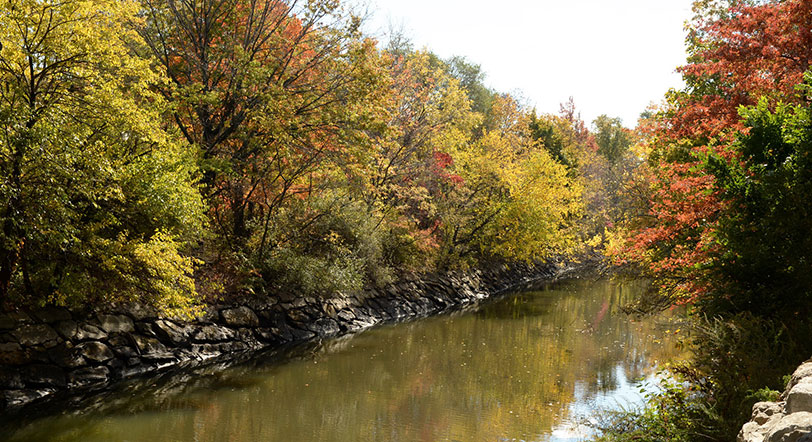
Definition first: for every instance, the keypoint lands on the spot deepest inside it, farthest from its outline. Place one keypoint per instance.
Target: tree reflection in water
(516, 368)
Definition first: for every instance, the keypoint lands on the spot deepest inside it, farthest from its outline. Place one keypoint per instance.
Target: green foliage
(767, 250)
(97, 200)
(328, 243)
(737, 362)
(612, 138)
(547, 130)
(675, 413)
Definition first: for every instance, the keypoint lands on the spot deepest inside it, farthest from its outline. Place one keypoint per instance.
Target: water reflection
(520, 368)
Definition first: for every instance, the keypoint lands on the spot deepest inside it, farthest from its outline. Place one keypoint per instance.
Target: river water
(528, 367)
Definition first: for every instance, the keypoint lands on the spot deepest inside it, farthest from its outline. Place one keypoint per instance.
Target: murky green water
(520, 368)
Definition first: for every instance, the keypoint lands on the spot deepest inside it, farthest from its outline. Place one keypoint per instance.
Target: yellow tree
(517, 202)
(96, 199)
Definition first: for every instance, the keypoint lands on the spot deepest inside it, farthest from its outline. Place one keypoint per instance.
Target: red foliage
(442, 161)
(753, 51)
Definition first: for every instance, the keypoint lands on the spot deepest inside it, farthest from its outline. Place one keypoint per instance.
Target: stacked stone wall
(56, 350)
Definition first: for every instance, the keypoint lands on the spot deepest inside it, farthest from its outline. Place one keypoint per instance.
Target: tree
(516, 202)
(737, 56)
(97, 201)
(765, 262)
(612, 138)
(269, 91)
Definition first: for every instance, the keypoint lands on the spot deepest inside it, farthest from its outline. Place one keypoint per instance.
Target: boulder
(40, 334)
(67, 329)
(116, 323)
(10, 378)
(147, 345)
(88, 376)
(799, 397)
(67, 356)
(240, 316)
(213, 333)
(12, 398)
(45, 375)
(170, 332)
(11, 320)
(87, 332)
(790, 428)
(763, 411)
(803, 371)
(142, 312)
(12, 354)
(298, 316)
(95, 351)
(324, 327)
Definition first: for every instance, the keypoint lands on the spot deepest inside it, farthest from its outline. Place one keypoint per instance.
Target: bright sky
(614, 57)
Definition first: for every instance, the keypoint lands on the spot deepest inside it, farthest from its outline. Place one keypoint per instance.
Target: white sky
(613, 56)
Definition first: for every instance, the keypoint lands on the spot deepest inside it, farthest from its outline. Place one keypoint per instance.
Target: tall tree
(268, 90)
(96, 199)
(738, 55)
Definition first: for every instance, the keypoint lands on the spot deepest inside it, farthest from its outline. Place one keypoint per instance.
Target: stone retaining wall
(789, 420)
(56, 350)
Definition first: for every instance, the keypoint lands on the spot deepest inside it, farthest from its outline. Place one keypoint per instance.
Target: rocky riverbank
(789, 420)
(56, 350)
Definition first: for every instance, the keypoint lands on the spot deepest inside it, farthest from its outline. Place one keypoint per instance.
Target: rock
(10, 378)
(324, 327)
(67, 329)
(763, 411)
(142, 312)
(803, 371)
(125, 352)
(800, 396)
(11, 320)
(14, 398)
(298, 316)
(52, 314)
(45, 375)
(86, 332)
(88, 376)
(95, 351)
(213, 333)
(240, 316)
(209, 315)
(12, 354)
(67, 356)
(147, 345)
(170, 332)
(301, 335)
(116, 323)
(790, 428)
(36, 335)
(346, 315)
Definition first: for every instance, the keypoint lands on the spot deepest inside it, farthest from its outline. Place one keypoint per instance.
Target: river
(527, 367)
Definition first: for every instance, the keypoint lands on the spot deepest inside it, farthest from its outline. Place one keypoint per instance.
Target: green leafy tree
(612, 138)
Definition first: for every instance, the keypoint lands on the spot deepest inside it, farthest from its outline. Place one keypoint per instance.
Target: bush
(325, 244)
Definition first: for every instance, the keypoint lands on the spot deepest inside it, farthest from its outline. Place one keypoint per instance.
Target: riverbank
(788, 420)
(56, 351)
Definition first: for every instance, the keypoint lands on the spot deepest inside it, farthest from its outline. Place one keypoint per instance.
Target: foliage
(272, 92)
(767, 251)
(316, 161)
(326, 244)
(751, 51)
(97, 200)
(711, 396)
(517, 202)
